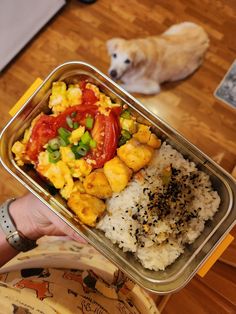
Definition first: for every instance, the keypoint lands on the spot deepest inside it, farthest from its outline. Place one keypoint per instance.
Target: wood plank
(80, 32)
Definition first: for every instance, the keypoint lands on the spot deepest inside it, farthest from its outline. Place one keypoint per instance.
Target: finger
(67, 230)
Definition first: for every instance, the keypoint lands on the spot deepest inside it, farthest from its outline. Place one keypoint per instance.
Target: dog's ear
(112, 44)
(139, 56)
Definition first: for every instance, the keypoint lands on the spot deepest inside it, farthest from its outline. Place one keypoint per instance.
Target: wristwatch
(14, 237)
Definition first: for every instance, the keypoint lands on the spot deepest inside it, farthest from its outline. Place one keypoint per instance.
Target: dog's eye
(114, 55)
(127, 61)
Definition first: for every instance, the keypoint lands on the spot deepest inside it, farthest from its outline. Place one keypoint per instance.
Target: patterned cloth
(62, 276)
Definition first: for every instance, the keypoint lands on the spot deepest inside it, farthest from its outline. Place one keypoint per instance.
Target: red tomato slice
(82, 112)
(88, 97)
(46, 127)
(43, 130)
(116, 110)
(106, 134)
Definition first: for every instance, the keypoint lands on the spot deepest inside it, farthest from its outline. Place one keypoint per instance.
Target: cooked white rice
(155, 220)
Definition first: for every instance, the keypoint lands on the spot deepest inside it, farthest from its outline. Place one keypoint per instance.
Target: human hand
(34, 220)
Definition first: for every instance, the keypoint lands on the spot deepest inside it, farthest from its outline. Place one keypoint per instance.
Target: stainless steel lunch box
(185, 267)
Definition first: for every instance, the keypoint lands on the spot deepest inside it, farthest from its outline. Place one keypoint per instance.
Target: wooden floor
(79, 32)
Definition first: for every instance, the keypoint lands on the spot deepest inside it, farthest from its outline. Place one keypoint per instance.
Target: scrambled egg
(19, 150)
(79, 168)
(58, 173)
(76, 135)
(104, 102)
(62, 98)
(61, 173)
(19, 147)
(74, 95)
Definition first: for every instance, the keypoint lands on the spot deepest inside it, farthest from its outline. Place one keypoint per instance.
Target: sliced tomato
(43, 130)
(88, 97)
(106, 133)
(80, 113)
(116, 110)
(46, 127)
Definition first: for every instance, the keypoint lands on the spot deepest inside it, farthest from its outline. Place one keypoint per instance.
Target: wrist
(20, 211)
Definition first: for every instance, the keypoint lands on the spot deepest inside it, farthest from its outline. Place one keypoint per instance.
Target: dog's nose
(113, 73)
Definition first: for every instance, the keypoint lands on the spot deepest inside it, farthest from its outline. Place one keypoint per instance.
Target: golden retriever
(143, 64)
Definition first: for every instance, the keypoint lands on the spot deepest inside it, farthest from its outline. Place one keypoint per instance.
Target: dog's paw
(142, 87)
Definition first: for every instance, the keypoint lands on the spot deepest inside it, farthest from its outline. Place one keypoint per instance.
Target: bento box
(186, 266)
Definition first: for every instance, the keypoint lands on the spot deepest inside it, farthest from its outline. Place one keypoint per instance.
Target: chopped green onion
(86, 138)
(69, 122)
(80, 151)
(54, 156)
(85, 146)
(54, 144)
(63, 142)
(49, 149)
(64, 134)
(74, 150)
(126, 114)
(122, 141)
(73, 114)
(89, 122)
(75, 125)
(93, 143)
(125, 134)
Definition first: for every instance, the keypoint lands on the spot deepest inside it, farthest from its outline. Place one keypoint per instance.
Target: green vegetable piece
(75, 125)
(80, 150)
(63, 142)
(86, 138)
(54, 144)
(69, 122)
(49, 149)
(64, 134)
(89, 122)
(74, 150)
(122, 141)
(126, 134)
(93, 143)
(166, 175)
(54, 156)
(126, 114)
(73, 114)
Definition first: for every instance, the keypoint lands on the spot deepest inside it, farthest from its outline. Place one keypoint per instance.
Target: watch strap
(14, 237)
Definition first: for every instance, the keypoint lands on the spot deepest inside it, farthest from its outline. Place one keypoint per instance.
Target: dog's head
(124, 57)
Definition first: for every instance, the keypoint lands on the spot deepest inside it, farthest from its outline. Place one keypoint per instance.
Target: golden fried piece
(145, 136)
(154, 141)
(135, 155)
(117, 173)
(87, 207)
(97, 184)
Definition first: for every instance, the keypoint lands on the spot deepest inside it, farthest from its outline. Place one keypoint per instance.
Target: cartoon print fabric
(87, 288)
